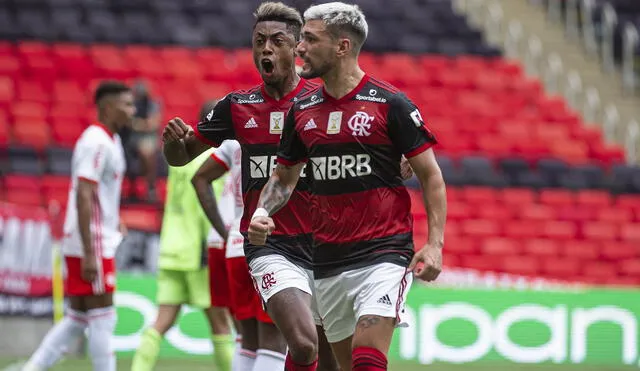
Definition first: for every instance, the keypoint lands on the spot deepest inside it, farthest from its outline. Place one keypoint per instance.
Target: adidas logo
(310, 125)
(385, 300)
(251, 124)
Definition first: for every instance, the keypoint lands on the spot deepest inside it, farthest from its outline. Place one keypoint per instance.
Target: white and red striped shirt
(98, 157)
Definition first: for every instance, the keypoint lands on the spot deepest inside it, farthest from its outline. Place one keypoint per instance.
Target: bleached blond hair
(341, 20)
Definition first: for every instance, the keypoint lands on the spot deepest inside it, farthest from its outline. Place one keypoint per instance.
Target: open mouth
(267, 66)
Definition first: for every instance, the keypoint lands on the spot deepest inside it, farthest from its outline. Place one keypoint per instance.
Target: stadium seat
(32, 133)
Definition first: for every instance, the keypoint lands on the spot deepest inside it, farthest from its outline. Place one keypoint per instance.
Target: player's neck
(280, 91)
(108, 125)
(343, 79)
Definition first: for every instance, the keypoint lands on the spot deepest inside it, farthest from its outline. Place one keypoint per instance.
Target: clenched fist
(175, 130)
(259, 229)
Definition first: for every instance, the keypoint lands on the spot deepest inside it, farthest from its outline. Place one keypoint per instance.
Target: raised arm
(180, 143)
(208, 172)
(183, 143)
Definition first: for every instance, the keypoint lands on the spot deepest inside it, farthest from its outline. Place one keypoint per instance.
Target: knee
(303, 346)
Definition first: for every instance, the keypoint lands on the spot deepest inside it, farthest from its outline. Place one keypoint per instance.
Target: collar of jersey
(349, 95)
(106, 129)
(287, 97)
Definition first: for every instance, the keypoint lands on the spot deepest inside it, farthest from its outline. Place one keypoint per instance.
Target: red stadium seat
(495, 212)
(631, 267)
(516, 197)
(480, 228)
(542, 247)
(32, 133)
(599, 270)
(615, 215)
(22, 182)
(598, 199)
(619, 251)
(28, 111)
(501, 246)
(462, 246)
(559, 230)
(522, 229)
(556, 197)
(600, 231)
(630, 232)
(33, 91)
(479, 195)
(536, 212)
(561, 268)
(480, 262)
(576, 213)
(580, 250)
(24, 197)
(524, 265)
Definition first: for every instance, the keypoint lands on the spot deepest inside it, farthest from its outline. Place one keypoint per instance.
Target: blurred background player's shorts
(184, 287)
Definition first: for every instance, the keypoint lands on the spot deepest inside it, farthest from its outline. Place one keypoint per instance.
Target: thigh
(172, 287)
(104, 282)
(198, 288)
(381, 290)
(335, 307)
(274, 273)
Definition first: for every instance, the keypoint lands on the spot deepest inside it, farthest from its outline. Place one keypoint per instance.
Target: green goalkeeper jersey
(184, 225)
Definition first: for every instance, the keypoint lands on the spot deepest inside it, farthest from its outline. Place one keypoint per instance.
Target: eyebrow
(278, 33)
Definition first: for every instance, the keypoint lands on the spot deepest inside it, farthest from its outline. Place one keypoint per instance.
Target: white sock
(57, 340)
(243, 360)
(268, 360)
(102, 322)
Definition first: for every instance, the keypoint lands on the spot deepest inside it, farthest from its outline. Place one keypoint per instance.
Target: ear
(344, 46)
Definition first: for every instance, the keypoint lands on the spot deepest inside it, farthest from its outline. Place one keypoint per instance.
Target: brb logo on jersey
(360, 124)
(340, 167)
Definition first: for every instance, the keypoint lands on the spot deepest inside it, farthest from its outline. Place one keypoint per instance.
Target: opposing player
(245, 303)
(353, 133)
(255, 117)
(92, 233)
(183, 277)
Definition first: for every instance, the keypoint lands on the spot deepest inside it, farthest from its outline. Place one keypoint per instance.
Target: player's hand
(89, 268)
(259, 229)
(175, 130)
(123, 229)
(431, 257)
(406, 171)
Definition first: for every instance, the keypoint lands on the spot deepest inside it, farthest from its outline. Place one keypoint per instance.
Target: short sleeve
(291, 150)
(406, 127)
(224, 154)
(91, 161)
(218, 125)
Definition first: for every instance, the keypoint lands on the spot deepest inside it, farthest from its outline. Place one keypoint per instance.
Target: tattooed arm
(274, 196)
(208, 172)
(279, 188)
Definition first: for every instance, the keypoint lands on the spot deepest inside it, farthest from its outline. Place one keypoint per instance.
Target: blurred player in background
(254, 117)
(246, 305)
(354, 132)
(92, 233)
(183, 276)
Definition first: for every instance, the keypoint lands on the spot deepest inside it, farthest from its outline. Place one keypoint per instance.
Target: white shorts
(379, 290)
(274, 273)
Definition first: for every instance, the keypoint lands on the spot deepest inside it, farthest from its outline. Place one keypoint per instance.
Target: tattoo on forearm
(368, 321)
(274, 195)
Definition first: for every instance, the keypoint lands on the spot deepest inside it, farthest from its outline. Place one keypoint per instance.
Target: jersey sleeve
(91, 161)
(406, 127)
(218, 125)
(224, 154)
(291, 149)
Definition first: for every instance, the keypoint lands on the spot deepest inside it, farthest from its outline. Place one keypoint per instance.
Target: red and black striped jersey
(360, 208)
(256, 121)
